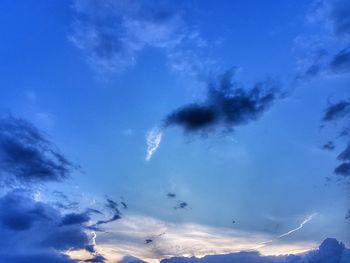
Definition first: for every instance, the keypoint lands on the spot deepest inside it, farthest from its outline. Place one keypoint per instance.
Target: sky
(138, 131)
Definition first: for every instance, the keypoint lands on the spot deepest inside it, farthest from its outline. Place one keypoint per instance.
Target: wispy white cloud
(112, 33)
(309, 218)
(153, 139)
(266, 242)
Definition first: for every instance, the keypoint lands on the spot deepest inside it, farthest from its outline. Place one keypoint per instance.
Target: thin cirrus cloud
(112, 33)
(153, 140)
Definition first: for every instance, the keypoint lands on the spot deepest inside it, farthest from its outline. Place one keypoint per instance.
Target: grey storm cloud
(227, 106)
(330, 251)
(27, 155)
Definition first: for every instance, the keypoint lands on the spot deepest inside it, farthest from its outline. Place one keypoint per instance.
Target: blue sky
(96, 78)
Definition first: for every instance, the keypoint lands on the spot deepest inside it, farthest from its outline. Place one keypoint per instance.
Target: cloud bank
(330, 251)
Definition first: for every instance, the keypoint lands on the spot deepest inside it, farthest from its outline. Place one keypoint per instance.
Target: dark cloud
(72, 237)
(227, 106)
(112, 206)
(125, 206)
(348, 215)
(330, 251)
(97, 258)
(75, 218)
(340, 17)
(147, 241)
(30, 230)
(340, 63)
(19, 214)
(345, 155)
(327, 64)
(181, 205)
(27, 155)
(334, 15)
(329, 146)
(79, 218)
(171, 195)
(44, 257)
(337, 111)
(343, 169)
(334, 113)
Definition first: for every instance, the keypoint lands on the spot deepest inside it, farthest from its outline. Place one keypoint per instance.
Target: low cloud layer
(128, 237)
(27, 155)
(330, 251)
(227, 106)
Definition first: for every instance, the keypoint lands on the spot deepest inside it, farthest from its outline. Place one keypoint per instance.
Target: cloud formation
(153, 139)
(112, 206)
(339, 11)
(328, 146)
(227, 106)
(27, 155)
(309, 218)
(330, 251)
(340, 63)
(112, 33)
(329, 56)
(127, 237)
(339, 112)
(31, 230)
